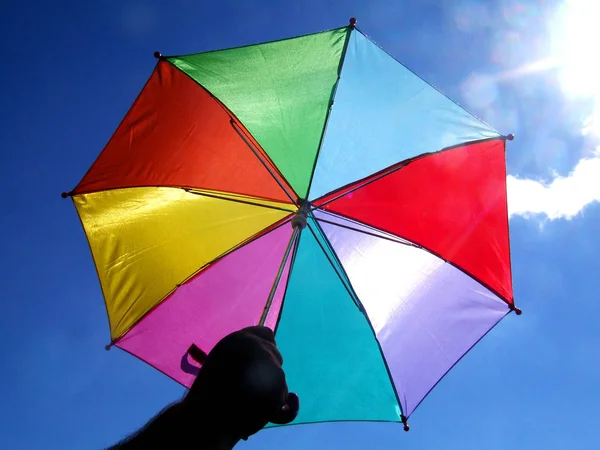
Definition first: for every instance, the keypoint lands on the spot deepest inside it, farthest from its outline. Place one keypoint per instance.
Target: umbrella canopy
(314, 185)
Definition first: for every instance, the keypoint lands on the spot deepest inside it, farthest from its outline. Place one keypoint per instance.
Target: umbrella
(314, 185)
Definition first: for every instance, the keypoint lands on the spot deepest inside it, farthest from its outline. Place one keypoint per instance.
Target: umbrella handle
(197, 354)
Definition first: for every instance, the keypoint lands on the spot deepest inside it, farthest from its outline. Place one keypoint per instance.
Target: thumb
(289, 412)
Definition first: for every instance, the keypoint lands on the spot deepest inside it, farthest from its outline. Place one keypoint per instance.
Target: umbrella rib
(139, 358)
(193, 189)
(245, 242)
(345, 282)
(329, 108)
(287, 284)
(291, 243)
(283, 39)
(296, 424)
(237, 200)
(240, 245)
(508, 240)
(458, 361)
(364, 182)
(263, 162)
(232, 121)
(437, 255)
(384, 235)
(348, 288)
(425, 81)
(355, 185)
(121, 122)
(362, 310)
(89, 244)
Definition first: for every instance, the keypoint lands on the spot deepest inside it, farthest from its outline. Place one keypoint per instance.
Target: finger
(289, 413)
(268, 338)
(262, 332)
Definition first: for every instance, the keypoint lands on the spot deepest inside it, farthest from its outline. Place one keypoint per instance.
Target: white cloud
(562, 198)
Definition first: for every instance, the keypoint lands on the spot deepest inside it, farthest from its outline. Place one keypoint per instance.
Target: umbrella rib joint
(241, 134)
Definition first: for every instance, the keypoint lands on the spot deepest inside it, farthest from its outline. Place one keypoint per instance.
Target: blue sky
(70, 70)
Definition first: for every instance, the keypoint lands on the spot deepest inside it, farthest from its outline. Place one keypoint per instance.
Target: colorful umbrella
(314, 185)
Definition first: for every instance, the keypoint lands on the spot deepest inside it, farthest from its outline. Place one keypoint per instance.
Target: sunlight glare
(576, 36)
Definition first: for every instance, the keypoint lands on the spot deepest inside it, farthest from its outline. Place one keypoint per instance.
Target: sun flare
(576, 35)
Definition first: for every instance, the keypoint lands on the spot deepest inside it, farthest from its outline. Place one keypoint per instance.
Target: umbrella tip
(517, 311)
(65, 194)
(510, 137)
(107, 347)
(352, 22)
(405, 422)
(157, 55)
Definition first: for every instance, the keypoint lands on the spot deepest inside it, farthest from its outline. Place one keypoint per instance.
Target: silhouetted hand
(242, 383)
(240, 388)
